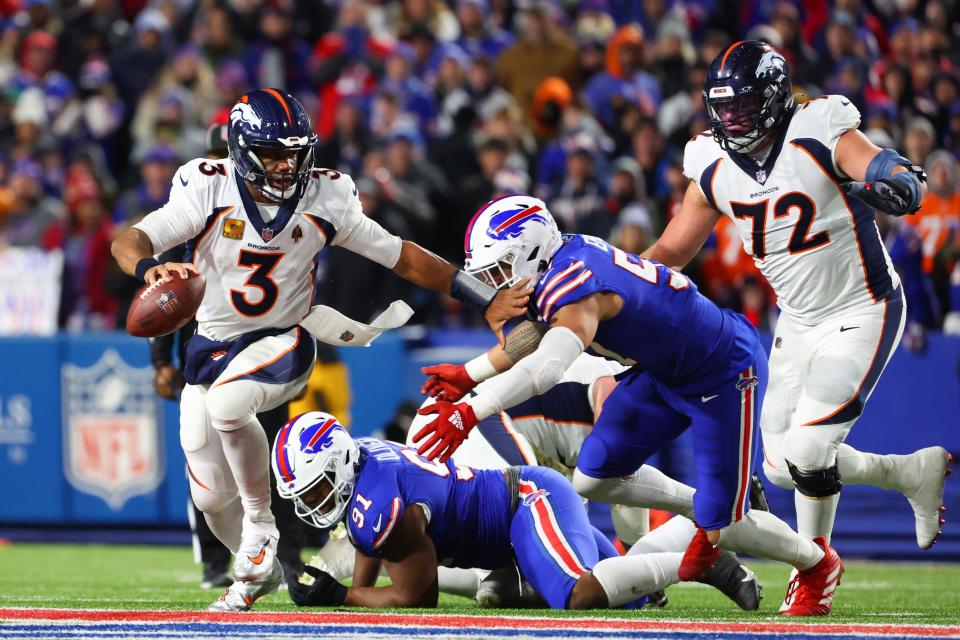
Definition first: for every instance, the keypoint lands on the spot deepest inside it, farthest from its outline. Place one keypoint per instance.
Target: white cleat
(254, 562)
(930, 466)
(241, 595)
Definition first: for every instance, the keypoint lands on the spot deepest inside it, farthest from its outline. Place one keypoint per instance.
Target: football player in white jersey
(801, 182)
(255, 223)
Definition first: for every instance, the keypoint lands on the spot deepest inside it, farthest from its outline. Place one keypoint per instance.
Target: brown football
(164, 307)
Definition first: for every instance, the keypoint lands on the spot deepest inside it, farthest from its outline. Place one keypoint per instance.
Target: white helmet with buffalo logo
(509, 239)
(309, 449)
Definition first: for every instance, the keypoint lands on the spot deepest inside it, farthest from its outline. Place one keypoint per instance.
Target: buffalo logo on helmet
(316, 438)
(243, 112)
(510, 223)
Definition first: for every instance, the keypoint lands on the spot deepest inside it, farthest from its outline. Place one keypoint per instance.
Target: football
(164, 307)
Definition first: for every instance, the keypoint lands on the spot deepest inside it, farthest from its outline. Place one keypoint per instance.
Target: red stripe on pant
(747, 435)
(554, 538)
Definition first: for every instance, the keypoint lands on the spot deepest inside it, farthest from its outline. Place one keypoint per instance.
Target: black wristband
(145, 265)
(472, 292)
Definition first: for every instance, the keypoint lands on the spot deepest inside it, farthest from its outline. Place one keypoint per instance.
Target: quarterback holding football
(254, 224)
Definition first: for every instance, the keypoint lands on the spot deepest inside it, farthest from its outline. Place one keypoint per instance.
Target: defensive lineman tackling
(255, 223)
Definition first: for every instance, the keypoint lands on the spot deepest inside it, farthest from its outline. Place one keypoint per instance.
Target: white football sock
(859, 467)
(626, 578)
(227, 524)
(630, 523)
(646, 487)
(460, 582)
(247, 452)
(815, 516)
(764, 535)
(673, 535)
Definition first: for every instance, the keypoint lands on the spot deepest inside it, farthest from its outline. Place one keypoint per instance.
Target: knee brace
(816, 483)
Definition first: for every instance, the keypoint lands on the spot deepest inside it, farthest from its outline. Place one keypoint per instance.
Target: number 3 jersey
(665, 327)
(260, 269)
(820, 250)
(468, 510)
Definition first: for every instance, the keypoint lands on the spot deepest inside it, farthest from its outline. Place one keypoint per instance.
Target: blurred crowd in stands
(436, 106)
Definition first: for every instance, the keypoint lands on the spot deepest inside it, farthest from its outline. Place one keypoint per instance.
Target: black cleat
(735, 580)
(657, 599)
(216, 576)
(758, 499)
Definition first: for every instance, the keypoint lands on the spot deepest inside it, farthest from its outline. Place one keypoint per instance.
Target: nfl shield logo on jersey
(267, 234)
(111, 429)
(761, 176)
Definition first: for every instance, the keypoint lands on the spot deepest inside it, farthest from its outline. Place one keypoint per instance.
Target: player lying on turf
(412, 514)
(255, 223)
(784, 173)
(695, 365)
(554, 425)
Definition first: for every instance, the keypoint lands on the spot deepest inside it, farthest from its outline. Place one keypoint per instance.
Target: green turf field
(136, 577)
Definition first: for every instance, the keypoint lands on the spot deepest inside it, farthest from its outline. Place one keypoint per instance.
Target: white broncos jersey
(260, 274)
(820, 251)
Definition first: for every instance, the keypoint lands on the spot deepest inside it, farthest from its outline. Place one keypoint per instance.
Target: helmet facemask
(280, 186)
(509, 268)
(326, 512)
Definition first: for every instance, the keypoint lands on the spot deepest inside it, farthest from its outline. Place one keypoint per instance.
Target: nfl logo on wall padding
(111, 429)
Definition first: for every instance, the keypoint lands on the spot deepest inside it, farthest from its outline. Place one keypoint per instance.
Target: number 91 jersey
(260, 269)
(820, 251)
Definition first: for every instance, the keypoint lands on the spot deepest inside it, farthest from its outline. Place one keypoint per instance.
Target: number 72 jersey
(820, 251)
(260, 269)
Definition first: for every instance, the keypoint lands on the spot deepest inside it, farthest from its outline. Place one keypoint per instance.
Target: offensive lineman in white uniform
(255, 223)
(784, 174)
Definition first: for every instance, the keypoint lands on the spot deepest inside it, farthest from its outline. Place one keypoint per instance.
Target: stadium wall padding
(84, 441)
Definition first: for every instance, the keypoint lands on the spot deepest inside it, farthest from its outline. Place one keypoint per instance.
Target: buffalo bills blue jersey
(468, 511)
(666, 327)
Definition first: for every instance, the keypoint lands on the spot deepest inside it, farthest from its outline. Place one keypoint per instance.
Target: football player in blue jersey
(412, 514)
(693, 365)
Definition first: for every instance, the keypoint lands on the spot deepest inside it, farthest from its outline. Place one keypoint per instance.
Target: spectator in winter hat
(31, 212)
(139, 62)
(541, 51)
(157, 169)
(37, 69)
(84, 237)
(918, 140)
(939, 214)
(478, 35)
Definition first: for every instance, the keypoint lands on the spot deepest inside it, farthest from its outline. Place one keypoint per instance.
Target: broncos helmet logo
(243, 112)
(771, 63)
(510, 223)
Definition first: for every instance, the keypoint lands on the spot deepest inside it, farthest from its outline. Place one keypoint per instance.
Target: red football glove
(448, 382)
(448, 431)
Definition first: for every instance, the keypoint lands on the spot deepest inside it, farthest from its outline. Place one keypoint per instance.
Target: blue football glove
(897, 195)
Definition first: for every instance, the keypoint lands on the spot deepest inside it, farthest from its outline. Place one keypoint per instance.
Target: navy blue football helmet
(271, 119)
(747, 94)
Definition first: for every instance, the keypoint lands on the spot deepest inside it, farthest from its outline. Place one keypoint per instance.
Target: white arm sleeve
(360, 234)
(531, 376)
(182, 218)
